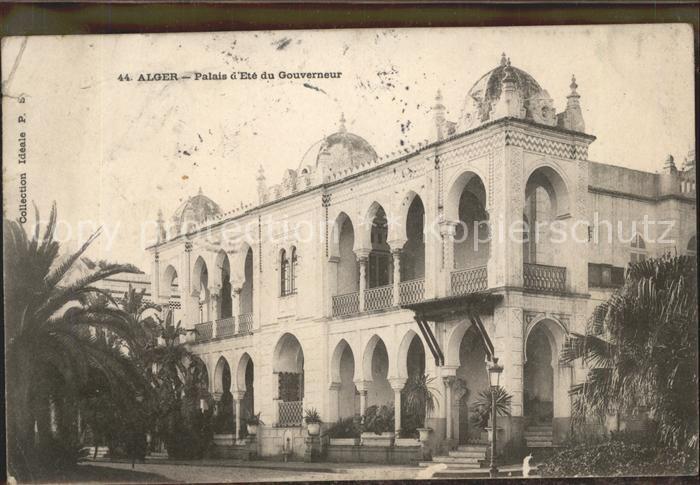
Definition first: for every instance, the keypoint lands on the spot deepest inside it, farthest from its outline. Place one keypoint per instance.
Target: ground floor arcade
(345, 366)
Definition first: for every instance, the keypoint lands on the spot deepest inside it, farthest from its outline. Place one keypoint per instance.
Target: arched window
(639, 249)
(284, 273)
(293, 271)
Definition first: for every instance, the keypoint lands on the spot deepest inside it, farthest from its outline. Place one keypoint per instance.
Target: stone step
(479, 448)
(538, 433)
(468, 454)
(538, 428)
(539, 444)
(449, 460)
(452, 466)
(538, 439)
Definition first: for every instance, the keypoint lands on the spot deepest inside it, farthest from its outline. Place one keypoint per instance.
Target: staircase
(465, 457)
(539, 436)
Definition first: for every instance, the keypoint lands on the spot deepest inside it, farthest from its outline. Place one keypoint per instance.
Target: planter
(405, 442)
(373, 439)
(424, 434)
(314, 429)
(252, 429)
(345, 441)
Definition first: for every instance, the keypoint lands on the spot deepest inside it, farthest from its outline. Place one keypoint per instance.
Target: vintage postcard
(350, 254)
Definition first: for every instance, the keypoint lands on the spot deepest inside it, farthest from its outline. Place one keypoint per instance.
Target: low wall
(400, 455)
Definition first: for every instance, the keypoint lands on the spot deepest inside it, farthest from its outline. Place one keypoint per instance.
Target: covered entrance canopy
(437, 310)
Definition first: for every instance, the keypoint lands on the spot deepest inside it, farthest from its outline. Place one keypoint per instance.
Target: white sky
(112, 152)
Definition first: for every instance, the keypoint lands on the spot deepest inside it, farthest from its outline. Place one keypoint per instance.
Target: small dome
(343, 150)
(196, 210)
(482, 97)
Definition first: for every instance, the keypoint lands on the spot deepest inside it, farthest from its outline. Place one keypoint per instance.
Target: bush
(345, 428)
(378, 420)
(623, 454)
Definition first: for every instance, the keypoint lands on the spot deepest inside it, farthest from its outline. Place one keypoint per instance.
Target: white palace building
(358, 270)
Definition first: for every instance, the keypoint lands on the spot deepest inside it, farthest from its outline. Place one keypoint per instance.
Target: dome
(344, 149)
(485, 93)
(196, 210)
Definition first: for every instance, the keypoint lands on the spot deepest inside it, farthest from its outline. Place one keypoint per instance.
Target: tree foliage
(641, 347)
(49, 334)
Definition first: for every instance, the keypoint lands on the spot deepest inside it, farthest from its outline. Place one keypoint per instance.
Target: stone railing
(290, 413)
(541, 277)
(412, 291)
(346, 304)
(204, 331)
(379, 297)
(226, 327)
(245, 323)
(470, 280)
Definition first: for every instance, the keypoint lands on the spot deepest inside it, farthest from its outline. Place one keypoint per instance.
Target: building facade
(359, 271)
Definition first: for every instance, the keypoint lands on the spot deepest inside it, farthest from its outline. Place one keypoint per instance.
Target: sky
(113, 153)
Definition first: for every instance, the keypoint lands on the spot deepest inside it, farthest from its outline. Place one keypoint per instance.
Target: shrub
(620, 455)
(481, 409)
(345, 428)
(378, 420)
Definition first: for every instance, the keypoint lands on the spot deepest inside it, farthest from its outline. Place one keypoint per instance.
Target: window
(605, 275)
(284, 273)
(293, 271)
(288, 272)
(638, 253)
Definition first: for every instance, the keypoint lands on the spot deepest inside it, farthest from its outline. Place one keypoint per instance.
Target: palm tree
(420, 396)
(41, 335)
(641, 348)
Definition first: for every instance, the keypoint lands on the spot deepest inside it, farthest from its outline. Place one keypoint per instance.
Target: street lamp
(494, 376)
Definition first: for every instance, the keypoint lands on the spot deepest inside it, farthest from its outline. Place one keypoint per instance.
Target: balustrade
(470, 280)
(346, 304)
(541, 277)
(412, 291)
(203, 331)
(226, 327)
(379, 297)
(245, 323)
(290, 413)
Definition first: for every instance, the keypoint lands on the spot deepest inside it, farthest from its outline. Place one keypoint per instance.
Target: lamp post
(494, 376)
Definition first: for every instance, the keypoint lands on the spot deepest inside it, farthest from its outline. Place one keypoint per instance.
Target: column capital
(449, 380)
(448, 370)
(397, 383)
(361, 386)
(217, 396)
(448, 228)
(238, 395)
(397, 245)
(334, 386)
(362, 254)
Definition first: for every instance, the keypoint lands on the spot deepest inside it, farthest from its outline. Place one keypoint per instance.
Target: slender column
(156, 277)
(447, 231)
(334, 401)
(396, 255)
(362, 389)
(236, 304)
(363, 258)
(397, 385)
(449, 380)
(214, 312)
(237, 397)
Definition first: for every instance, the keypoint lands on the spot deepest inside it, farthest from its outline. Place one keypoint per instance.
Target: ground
(245, 472)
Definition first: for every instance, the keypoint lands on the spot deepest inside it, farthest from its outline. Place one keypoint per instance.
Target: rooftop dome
(483, 96)
(343, 149)
(196, 210)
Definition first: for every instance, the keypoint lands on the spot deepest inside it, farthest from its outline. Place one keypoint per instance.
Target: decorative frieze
(546, 146)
